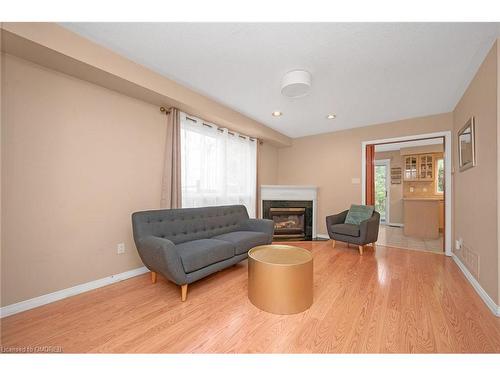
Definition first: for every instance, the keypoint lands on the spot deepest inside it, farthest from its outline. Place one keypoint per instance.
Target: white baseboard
(321, 235)
(64, 293)
(400, 225)
(495, 309)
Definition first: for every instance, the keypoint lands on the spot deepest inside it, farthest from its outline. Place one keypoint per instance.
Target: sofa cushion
(346, 229)
(358, 213)
(188, 224)
(201, 253)
(244, 240)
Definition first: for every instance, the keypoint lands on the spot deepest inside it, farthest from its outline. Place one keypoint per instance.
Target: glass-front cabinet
(426, 167)
(419, 167)
(410, 172)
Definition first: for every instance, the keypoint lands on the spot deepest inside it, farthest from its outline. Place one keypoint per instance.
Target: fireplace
(292, 219)
(288, 222)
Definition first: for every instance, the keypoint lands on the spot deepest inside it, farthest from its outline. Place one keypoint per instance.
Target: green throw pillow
(358, 213)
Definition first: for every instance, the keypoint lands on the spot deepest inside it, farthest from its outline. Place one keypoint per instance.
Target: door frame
(387, 163)
(446, 135)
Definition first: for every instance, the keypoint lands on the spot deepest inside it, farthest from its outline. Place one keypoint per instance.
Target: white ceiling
(365, 73)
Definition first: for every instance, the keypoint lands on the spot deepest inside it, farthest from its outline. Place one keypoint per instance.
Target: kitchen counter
(422, 217)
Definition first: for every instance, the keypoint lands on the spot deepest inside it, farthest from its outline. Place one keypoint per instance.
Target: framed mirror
(466, 146)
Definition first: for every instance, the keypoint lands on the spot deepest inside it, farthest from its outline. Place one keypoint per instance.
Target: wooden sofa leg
(153, 277)
(373, 245)
(333, 244)
(184, 292)
(360, 247)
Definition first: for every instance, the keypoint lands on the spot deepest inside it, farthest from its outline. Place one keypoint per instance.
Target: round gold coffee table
(280, 278)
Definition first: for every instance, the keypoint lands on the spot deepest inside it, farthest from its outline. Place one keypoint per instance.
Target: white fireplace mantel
(291, 193)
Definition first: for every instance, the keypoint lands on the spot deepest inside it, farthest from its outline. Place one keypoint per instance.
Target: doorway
(420, 181)
(382, 189)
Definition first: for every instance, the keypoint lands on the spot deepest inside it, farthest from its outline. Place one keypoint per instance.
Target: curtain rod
(167, 111)
(221, 129)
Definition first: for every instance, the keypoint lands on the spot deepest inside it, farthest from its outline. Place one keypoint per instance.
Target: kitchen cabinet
(419, 167)
(411, 164)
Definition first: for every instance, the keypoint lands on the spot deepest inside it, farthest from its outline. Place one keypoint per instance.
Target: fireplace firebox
(292, 219)
(288, 222)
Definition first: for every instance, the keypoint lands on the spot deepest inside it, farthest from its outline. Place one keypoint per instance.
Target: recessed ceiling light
(331, 116)
(277, 113)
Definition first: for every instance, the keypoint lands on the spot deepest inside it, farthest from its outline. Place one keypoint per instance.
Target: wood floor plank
(388, 300)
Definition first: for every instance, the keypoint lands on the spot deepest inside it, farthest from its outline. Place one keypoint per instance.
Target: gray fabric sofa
(187, 244)
(361, 235)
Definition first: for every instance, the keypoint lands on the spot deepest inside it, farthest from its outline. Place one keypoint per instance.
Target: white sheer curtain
(217, 167)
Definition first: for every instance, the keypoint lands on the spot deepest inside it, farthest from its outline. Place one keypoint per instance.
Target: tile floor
(393, 236)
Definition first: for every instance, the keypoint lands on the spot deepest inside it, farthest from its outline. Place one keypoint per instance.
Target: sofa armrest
(259, 225)
(368, 229)
(159, 255)
(336, 219)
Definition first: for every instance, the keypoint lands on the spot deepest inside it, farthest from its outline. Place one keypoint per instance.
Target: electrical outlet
(120, 248)
(412, 189)
(458, 244)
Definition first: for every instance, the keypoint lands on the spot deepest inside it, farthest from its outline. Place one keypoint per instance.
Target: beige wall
(330, 161)
(396, 190)
(267, 168)
(498, 166)
(2, 116)
(268, 164)
(475, 190)
(426, 149)
(77, 160)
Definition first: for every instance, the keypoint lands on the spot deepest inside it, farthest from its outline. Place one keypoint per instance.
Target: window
(440, 176)
(217, 167)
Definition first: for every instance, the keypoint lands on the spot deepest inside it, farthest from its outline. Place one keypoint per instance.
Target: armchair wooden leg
(184, 292)
(360, 247)
(333, 244)
(153, 277)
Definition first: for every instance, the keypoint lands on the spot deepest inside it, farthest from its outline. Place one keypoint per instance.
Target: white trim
(400, 225)
(68, 292)
(322, 235)
(387, 164)
(447, 166)
(495, 309)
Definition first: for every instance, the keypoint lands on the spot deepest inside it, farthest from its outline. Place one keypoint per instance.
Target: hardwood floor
(390, 301)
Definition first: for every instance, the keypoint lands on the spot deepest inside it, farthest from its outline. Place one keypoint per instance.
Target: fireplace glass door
(288, 222)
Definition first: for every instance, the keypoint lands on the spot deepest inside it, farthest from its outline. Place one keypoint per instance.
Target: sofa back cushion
(187, 224)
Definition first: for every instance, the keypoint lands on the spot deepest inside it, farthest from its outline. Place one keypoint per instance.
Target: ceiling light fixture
(331, 116)
(296, 83)
(277, 113)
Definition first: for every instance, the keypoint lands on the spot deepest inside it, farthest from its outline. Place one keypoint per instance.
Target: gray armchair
(364, 233)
